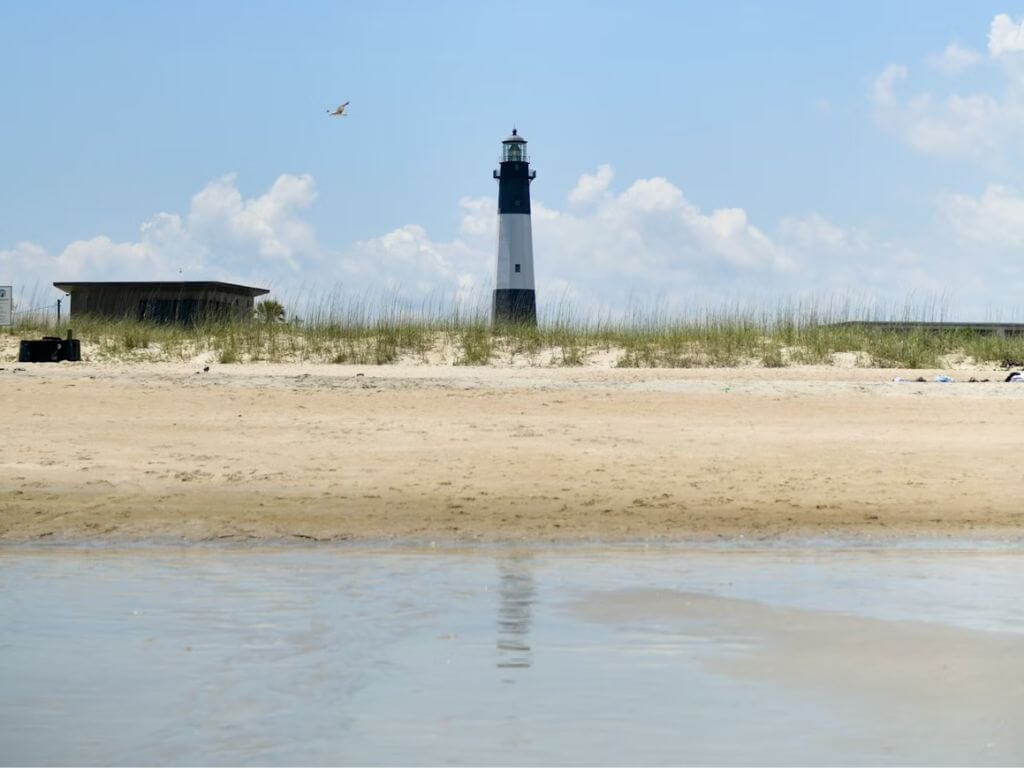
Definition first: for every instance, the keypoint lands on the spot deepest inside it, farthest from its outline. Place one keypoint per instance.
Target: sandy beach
(164, 451)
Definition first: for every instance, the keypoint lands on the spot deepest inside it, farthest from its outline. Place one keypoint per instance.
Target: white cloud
(223, 236)
(649, 240)
(478, 218)
(955, 58)
(995, 219)
(990, 234)
(986, 125)
(592, 185)
(407, 263)
(646, 243)
(882, 88)
(977, 125)
(25, 257)
(650, 243)
(841, 260)
(1005, 35)
(269, 226)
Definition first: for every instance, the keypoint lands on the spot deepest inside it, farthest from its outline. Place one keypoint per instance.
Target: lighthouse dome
(514, 138)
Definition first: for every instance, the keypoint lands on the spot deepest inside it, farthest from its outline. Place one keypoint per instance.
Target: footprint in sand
(190, 476)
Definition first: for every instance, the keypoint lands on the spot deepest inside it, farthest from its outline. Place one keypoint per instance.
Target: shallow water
(509, 656)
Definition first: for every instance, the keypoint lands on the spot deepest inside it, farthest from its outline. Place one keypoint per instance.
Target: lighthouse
(514, 300)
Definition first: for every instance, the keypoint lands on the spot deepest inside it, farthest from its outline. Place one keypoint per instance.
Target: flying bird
(339, 112)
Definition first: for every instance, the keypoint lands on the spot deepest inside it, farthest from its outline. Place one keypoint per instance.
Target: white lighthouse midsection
(515, 252)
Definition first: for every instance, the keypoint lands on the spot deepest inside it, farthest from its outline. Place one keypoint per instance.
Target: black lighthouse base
(514, 305)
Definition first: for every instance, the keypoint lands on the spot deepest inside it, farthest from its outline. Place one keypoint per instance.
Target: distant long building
(162, 302)
(902, 326)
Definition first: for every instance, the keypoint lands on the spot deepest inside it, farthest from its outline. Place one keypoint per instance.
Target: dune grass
(382, 333)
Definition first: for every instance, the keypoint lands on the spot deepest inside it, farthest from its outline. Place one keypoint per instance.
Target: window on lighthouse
(514, 151)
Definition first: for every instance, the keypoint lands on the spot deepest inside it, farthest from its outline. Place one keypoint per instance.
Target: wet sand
(158, 451)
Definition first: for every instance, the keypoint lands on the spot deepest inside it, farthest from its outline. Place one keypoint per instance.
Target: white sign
(5, 305)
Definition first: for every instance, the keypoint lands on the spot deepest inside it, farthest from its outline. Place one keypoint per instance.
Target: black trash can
(49, 349)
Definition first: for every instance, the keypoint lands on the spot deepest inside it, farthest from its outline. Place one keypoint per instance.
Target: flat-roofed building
(190, 301)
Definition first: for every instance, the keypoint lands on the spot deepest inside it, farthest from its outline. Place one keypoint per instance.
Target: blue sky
(861, 148)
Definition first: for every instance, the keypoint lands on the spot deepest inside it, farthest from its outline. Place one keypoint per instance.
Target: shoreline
(286, 453)
(924, 544)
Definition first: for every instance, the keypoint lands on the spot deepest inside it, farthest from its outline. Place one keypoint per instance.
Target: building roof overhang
(180, 285)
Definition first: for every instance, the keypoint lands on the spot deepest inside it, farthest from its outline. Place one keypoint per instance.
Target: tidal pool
(494, 655)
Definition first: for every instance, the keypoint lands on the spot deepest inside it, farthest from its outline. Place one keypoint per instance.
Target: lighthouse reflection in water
(515, 602)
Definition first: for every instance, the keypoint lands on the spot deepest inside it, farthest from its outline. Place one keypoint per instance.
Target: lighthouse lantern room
(514, 295)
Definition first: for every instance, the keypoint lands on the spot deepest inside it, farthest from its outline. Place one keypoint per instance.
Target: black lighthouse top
(515, 176)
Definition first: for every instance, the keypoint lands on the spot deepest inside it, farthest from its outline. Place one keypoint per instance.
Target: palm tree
(270, 311)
